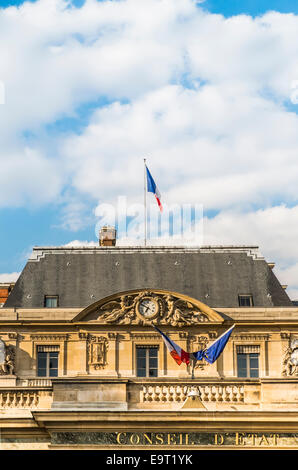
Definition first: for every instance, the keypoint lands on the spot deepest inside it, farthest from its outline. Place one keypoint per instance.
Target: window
(245, 300)
(47, 361)
(248, 361)
(147, 361)
(51, 301)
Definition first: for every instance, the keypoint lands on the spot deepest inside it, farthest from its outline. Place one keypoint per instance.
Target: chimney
(107, 236)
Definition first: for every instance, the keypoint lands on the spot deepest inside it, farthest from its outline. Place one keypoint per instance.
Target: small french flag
(152, 188)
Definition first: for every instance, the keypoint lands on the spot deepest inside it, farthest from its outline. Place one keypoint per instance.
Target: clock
(148, 308)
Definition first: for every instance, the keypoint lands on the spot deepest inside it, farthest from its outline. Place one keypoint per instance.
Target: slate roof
(82, 275)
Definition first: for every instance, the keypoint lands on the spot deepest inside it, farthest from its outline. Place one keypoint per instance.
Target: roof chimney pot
(107, 236)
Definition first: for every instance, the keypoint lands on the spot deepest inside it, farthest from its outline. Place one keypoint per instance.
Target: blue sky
(210, 101)
(250, 7)
(227, 8)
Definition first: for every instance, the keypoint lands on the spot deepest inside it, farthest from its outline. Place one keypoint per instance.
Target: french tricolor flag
(176, 352)
(152, 188)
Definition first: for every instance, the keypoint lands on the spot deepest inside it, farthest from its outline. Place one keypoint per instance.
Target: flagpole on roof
(145, 203)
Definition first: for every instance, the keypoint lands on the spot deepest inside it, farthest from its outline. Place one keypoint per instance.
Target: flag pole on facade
(210, 354)
(145, 203)
(193, 365)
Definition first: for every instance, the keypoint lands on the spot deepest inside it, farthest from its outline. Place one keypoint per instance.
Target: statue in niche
(291, 359)
(6, 359)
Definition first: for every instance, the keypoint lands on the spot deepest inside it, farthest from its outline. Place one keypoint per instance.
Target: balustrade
(19, 399)
(178, 393)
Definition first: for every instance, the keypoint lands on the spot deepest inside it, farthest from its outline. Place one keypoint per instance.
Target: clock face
(148, 308)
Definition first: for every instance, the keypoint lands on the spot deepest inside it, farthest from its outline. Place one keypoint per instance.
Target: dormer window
(51, 301)
(245, 300)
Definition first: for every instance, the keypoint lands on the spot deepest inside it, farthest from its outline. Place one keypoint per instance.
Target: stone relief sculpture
(290, 362)
(97, 351)
(165, 309)
(7, 359)
(201, 343)
(119, 311)
(181, 312)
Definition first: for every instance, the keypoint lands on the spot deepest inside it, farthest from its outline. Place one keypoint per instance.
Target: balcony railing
(19, 399)
(35, 382)
(167, 393)
(41, 393)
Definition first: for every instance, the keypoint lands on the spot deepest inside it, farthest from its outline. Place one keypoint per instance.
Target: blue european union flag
(215, 349)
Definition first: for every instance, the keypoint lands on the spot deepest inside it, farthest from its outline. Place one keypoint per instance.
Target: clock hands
(145, 306)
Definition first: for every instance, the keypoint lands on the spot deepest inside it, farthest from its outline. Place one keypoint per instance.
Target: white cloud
(78, 243)
(133, 50)
(274, 230)
(28, 178)
(9, 277)
(201, 146)
(201, 96)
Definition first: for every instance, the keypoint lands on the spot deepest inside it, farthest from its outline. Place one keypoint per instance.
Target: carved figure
(170, 310)
(120, 310)
(2, 353)
(6, 359)
(9, 365)
(291, 359)
(181, 313)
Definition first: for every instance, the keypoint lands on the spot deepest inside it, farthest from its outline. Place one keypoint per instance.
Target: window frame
(147, 347)
(48, 362)
(248, 368)
(250, 296)
(46, 297)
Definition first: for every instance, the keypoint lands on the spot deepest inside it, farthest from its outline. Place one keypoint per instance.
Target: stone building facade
(83, 368)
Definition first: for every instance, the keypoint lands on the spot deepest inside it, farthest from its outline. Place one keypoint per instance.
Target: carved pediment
(141, 307)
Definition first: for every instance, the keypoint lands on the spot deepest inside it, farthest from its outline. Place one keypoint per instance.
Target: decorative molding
(251, 337)
(144, 307)
(49, 337)
(285, 335)
(97, 351)
(83, 335)
(13, 336)
(112, 336)
(213, 334)
(183, 335)
(145, 336)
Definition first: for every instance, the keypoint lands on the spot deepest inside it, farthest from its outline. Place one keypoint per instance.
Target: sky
(206, 91)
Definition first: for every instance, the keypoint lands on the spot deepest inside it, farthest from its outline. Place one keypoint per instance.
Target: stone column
(82, 353)
(112, 368)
